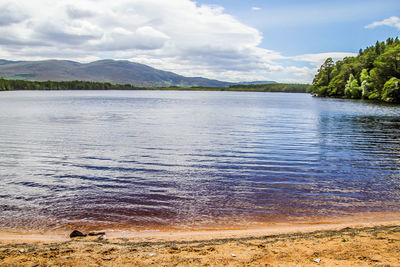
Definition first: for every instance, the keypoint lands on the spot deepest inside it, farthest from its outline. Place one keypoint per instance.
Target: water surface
(192, 159)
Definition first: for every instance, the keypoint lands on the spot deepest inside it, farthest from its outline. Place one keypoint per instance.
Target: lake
(154, 159)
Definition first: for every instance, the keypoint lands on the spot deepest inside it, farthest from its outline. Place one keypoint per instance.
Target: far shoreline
(20, 85)
(183, 89)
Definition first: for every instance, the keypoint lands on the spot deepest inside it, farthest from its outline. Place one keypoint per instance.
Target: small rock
(234, 255)
(96, 233)
(173, 250)
(22, 250)
(76, 233)
(102, 237)
(108, 251)
(317, 260)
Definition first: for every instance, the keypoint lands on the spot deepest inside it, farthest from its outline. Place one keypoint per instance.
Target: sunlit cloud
(391, 22)
(180, 36)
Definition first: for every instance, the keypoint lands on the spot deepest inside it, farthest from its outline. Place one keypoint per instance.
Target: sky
(229, 40)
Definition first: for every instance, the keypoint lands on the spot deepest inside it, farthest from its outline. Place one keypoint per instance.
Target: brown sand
(348, 244)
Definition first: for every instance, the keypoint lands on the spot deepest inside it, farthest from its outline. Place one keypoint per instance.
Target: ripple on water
(192, 159)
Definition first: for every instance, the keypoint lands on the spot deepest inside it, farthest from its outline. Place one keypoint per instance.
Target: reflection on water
(192, 159)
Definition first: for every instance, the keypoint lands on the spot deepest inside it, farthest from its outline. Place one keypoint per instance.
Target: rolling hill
(113, 71)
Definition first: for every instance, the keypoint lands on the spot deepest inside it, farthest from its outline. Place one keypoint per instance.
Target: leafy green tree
(389, 62)
(352, 89)
(323, 77)
(340, 77)
(391, 90)
(366, 88)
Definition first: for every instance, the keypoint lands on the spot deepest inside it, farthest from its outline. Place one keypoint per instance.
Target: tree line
(373, 74)
(11, 85)
(274, 87)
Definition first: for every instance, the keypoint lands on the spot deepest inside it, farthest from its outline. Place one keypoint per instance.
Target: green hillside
(104, 71)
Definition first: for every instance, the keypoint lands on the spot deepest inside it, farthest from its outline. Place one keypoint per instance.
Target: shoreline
(366, 244)
(370, 219)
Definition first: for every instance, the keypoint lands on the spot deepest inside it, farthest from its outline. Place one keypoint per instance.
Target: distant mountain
(113, 71)
(257, 82)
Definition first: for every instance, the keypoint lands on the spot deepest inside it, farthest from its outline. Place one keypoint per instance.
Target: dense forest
(12, 85)
(373, 74)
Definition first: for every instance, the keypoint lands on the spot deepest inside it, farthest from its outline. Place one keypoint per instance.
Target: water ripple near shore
(192, 159)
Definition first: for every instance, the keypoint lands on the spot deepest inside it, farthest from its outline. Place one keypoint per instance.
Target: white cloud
(179, 36)
(392, 22)
(10, 14)
(78, 13)
(255, 8)
(317, 59)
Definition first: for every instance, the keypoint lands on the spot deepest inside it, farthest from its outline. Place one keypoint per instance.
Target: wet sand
(366, 243)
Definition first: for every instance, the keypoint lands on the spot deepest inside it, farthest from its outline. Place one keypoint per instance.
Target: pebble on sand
(96, 233)
(77, 233)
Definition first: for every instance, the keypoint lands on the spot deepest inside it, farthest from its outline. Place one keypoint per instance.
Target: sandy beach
(373, 242)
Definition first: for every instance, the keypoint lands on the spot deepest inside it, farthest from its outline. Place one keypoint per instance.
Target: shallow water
(192, 159)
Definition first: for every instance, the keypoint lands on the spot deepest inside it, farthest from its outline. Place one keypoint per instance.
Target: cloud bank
(391, 22)
(179, 36)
